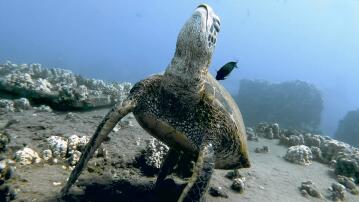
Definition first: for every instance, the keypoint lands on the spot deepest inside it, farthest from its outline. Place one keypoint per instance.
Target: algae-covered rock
(309, 188)
(22, 104)
(337, 192)
(7, 105)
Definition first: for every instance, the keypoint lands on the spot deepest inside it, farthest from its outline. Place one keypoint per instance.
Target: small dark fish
(226, 70)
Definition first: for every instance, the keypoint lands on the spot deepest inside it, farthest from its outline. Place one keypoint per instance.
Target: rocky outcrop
(294, 104)
(348, 128)
(59, 88)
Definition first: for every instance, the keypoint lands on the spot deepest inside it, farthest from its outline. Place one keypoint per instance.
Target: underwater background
(273, 40)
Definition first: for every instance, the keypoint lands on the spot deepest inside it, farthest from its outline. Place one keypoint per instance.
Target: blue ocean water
(275, 40)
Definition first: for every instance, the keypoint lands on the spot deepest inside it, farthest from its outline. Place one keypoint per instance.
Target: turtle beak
(203, 6)
(210, 12)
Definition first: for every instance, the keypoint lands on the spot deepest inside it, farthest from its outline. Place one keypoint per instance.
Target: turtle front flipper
(105, 127)
(202, 173)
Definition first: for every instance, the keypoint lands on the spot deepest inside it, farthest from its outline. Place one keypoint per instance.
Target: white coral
(47, 154)
(58, 146)
(74, 158)
(77, 143)
(27, 156)
(20, 80)
(155, 153)
(62, 148)
(332, 148)
(300, 154)
(43, 86)
(81, 92)
(43, 108)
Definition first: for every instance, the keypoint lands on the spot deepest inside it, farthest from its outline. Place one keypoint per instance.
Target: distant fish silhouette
(226, 70)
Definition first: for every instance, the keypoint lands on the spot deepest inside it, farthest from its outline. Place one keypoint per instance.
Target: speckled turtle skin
(186, 108)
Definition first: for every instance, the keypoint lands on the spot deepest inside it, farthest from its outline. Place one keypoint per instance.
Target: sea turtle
(186, 108)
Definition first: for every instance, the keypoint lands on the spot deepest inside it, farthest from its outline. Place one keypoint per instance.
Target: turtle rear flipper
(198, 183)
(105, 127)
(167, 166)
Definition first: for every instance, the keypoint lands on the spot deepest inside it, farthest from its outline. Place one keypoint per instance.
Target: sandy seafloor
(270, 178)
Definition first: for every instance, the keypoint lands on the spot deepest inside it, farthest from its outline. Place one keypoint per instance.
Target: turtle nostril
(216, 23)
(216, 19)
(216, 26)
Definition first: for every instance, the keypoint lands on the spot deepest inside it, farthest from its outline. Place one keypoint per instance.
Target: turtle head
(185, 75)
(199, 34)
(195, 43)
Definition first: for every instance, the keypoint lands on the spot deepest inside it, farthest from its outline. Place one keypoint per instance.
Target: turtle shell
(225, 100)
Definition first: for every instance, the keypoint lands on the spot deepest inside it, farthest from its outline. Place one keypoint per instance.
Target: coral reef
(266, 130)
(337, 192)
(68, 149)
(76, 143)
(237, 180)
(22, 104)
(348, 165)
(309, 188)
(59, 88)
(264, 149)
(7, 105)
(338, 155)
(217, 192)
(43, 108)
(317, 154)
(58, 146)
(15, 105)
(238, 185)
(300, 154)
(251, 135)
(27, 156)
(348, 183)
(151, 158)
